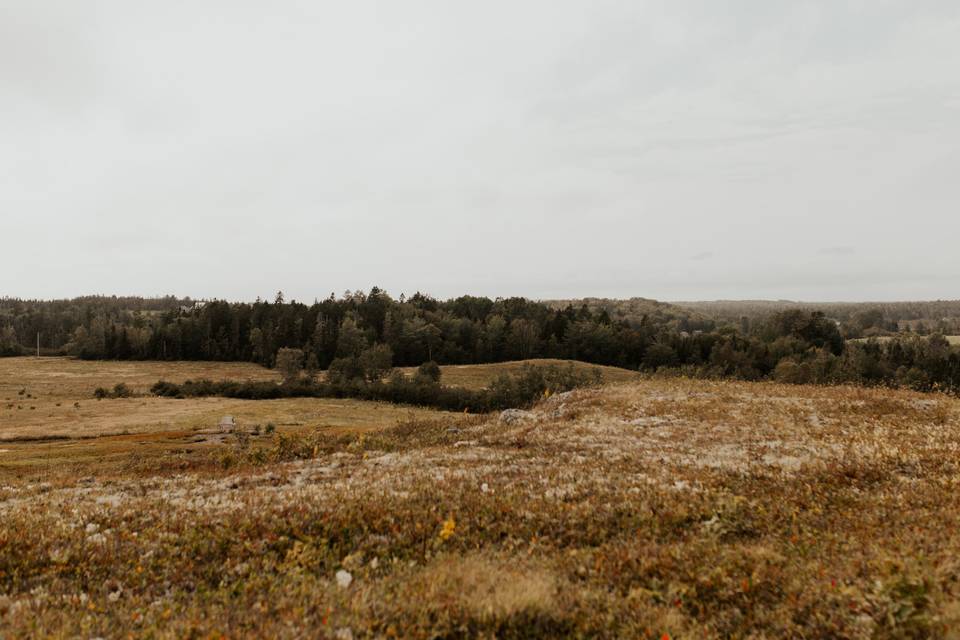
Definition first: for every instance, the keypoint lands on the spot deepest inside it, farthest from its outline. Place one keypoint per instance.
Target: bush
(120, 390)
(165, 389)
(659, 355)
(428, 373)
(376, 362)
(345, 369)
(791, 372)
(507, 392)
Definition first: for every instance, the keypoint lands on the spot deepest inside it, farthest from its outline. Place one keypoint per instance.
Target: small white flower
(115, 589)
(93, 527)
(344, 633)
(485, 488)
(344, 579)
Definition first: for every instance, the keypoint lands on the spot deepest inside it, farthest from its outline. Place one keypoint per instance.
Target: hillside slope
(478, 376)
(660, 508)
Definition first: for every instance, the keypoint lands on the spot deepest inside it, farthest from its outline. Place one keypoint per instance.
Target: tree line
(361, 332)
(418, 329)
(857, 319)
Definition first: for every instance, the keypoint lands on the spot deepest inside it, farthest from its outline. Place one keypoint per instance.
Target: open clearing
(53, 397)
(49, 417)
(667, 506)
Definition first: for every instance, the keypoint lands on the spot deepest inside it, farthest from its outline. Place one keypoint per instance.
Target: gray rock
(515, 416)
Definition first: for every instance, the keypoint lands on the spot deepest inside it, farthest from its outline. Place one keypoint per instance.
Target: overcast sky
(555, 148)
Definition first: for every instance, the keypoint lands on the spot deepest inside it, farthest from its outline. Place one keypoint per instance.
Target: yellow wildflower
(449, 527)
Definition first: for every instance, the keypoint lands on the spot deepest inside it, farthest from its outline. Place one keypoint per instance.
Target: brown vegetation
(56, 427)
(665, 507)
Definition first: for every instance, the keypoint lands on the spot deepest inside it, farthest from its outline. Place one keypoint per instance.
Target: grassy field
(50, 422)
(657, 508)
(54, 396)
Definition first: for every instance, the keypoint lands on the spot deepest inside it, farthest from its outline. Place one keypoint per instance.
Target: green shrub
(428, 373)
(522, 389)
(121, 390)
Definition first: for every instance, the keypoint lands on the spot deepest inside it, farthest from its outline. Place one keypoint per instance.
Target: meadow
(645, 508)
(51, 423)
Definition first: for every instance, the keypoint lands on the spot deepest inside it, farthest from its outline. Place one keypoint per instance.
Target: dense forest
(792, 344)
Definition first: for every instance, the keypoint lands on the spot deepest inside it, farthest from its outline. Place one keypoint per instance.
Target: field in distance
(43, 397)
(49, 417)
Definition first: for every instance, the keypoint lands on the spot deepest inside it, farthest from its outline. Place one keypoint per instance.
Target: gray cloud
(547, 148)
(836, 251)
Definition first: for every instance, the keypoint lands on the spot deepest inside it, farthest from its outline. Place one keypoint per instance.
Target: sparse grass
(696, 509)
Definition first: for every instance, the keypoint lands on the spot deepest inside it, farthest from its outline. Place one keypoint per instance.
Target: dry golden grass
(43, 428)
(182, 431)
(54, 386)
(479, 376)
(63, 378)
(57, 397)
(484, 587)
(40, 396)
(663, 507)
